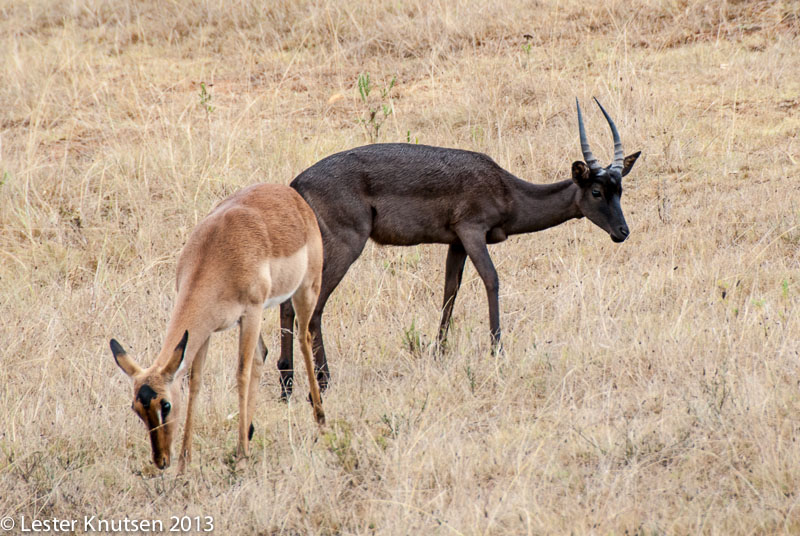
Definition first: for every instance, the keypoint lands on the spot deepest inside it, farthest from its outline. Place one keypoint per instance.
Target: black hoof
(322, 380)
(497, 349)
(251, 432)
(287, 384)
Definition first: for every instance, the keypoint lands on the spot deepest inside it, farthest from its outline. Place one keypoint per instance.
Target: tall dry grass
(649, 387)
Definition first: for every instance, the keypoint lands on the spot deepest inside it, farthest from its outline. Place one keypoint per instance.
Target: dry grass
(646, 388)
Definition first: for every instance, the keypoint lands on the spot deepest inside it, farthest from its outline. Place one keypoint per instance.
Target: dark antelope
(403, 195)
(257, 249)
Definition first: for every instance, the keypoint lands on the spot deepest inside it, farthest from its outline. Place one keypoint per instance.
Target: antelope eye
(165, 407)
(596, 193)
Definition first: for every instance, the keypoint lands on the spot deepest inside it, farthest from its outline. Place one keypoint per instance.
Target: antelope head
(155, 396)
(601, 187)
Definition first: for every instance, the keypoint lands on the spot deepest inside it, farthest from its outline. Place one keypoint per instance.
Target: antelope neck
(541, 206)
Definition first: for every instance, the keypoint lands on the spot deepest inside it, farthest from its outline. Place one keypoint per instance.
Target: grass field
(651, 387)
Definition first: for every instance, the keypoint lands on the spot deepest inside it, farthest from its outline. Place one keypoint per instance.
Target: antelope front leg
(250, 325)
(474, 241)
(195, 382)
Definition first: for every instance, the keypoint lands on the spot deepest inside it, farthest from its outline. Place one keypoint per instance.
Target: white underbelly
(277, 300)
(284, 276)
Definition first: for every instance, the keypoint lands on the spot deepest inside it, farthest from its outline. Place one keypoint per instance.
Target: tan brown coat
(256, 249)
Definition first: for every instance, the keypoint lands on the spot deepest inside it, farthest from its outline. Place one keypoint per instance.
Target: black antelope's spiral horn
(618, 154)
(588, 157)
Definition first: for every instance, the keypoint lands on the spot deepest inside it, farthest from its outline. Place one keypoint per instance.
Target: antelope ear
(124, 361)
(627, 164)
(175, 364)
(580, 173)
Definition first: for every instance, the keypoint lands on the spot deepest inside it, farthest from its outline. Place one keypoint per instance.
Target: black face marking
(145, 395)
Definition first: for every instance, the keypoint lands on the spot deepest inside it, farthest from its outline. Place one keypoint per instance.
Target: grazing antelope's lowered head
(155, 396)
(601, 187)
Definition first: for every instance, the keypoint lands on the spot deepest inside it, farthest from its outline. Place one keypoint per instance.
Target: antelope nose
(621, 234)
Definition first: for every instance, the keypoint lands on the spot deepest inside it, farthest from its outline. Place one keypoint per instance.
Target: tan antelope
(257, 249)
